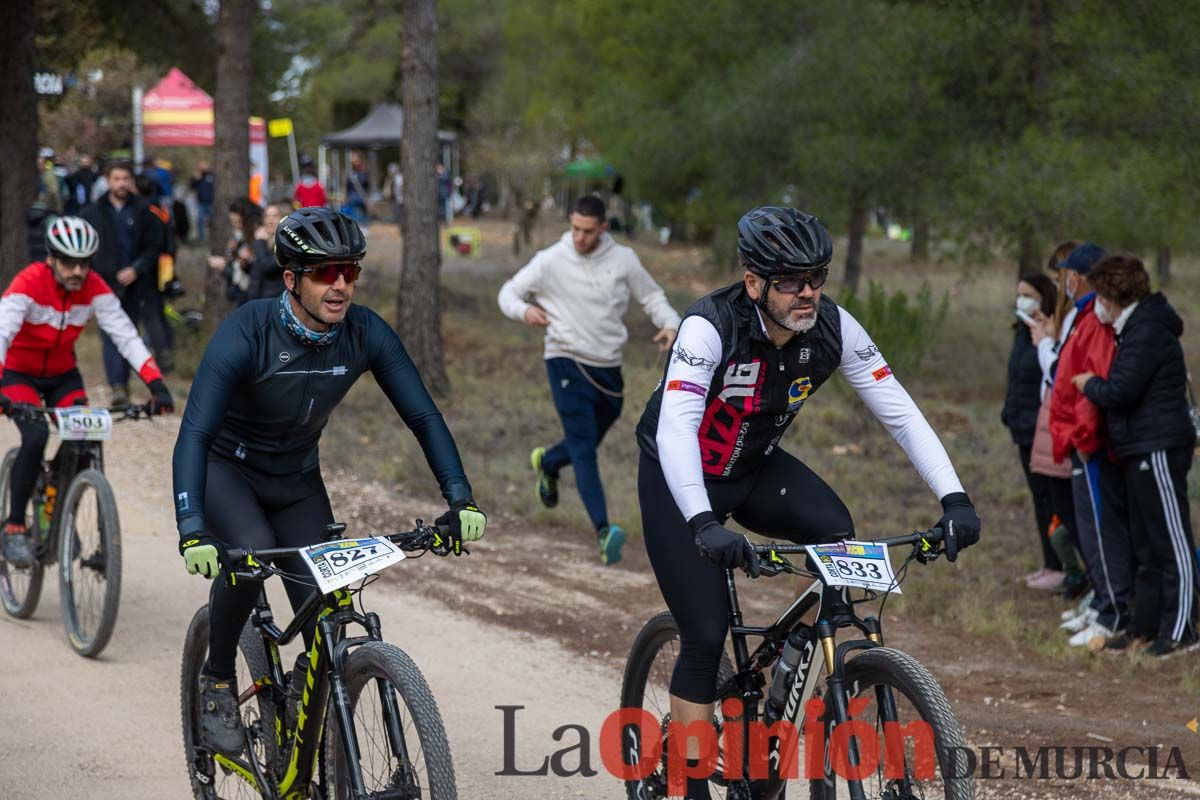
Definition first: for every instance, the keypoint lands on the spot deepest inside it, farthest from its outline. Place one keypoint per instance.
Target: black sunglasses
(794, 284)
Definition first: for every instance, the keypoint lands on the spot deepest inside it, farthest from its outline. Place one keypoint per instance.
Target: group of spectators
(1098, 405)
(248, 267)
(131, 212)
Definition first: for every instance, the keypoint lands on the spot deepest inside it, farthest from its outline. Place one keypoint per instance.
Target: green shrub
(904, 329)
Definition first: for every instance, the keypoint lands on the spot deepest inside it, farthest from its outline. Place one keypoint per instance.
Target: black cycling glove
(161, 402)
(464, 522)
(960, 524)
(722, 546)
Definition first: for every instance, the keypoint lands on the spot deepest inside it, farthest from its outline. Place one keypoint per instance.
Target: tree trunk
(18, 132)
(231, 115)
(1027, 255)
(1162, 265)
(859, 218)
(418, 308)
(920, 239)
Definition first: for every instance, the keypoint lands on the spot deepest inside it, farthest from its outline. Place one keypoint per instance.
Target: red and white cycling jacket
(40, 321)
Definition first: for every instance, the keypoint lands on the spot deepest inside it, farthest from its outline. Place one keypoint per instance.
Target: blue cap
(1083, 258)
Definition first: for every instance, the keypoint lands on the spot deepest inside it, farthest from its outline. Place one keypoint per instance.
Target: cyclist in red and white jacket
(42, 313)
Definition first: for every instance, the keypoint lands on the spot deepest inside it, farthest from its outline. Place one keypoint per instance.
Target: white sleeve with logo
(868, 372)
(694, 360)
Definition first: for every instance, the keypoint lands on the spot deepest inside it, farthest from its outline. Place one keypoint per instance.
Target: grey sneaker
(220, 723)
(17, 547)
(120, 397)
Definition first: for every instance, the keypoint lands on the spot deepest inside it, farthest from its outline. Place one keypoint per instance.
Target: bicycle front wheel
(89, 575)
(923, 755)
(20, 587)
(401, 740)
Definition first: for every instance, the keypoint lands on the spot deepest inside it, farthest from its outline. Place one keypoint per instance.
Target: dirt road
(109, 728)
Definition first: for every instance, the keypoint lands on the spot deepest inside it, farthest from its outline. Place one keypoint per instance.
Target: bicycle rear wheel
(647, 686)
(20, 587)
(924, 758)
(210, 779)
(408, 755)
(89, 575)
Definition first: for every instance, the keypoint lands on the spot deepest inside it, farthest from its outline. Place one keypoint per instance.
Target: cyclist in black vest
(246, 466)
(747, 359)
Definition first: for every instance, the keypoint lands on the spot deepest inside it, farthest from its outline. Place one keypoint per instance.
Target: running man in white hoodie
(578, 290)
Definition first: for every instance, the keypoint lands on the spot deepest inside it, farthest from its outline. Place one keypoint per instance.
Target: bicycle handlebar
(28, 411)
(926, 541)
(423, 537)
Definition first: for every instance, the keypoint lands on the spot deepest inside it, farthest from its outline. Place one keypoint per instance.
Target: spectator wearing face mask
(1077, 430)
(1022, 401)
(1048, 331)
(1150, 430)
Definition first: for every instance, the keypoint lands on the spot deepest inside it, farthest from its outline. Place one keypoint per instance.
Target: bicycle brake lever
(926, 551)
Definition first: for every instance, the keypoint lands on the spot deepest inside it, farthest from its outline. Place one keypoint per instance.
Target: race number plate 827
(344, 561)
(861, 564)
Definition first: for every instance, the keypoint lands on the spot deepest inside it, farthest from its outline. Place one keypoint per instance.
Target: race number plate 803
(862, 564)
(342, 562)
(79, 423)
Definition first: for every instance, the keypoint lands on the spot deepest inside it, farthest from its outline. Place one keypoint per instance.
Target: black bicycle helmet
(315, 235)
(776, 240)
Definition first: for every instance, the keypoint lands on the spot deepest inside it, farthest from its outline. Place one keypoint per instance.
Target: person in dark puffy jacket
(1022, 400)
(1144, 398)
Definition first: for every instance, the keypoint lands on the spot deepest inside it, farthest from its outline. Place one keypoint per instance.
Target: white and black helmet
(72, 237)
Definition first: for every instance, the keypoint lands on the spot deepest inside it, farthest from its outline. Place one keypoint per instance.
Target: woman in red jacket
(1077, 430)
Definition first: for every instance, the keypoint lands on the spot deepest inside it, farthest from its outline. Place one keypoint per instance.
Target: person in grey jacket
(578, 290)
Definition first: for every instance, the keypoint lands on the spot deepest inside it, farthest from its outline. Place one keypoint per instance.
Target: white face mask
(1027, 304)
(1102, 313)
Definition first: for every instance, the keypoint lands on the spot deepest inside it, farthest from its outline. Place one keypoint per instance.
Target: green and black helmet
(310, 236)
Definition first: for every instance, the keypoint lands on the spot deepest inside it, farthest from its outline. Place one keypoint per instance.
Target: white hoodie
(585, 297)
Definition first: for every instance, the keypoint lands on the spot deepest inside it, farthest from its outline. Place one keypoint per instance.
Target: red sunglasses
(328, 273)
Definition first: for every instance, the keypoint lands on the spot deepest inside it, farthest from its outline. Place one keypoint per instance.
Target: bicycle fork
(345, 714)
(838, 703)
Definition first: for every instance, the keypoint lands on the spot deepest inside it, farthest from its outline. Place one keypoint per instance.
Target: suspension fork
(837, 707)
(391, 709)
(341, 707)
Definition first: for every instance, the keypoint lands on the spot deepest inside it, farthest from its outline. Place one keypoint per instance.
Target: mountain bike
(73, 521)
(353, 720)
(878, 727)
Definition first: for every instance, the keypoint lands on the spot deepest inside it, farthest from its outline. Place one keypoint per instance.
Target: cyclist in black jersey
(246, 464)
(746, 360)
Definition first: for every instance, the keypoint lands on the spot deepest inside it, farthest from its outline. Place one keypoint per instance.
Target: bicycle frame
(71, 458)
(325, 677)
(834, 611)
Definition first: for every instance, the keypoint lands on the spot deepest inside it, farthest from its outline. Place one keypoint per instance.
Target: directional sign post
(283, 127)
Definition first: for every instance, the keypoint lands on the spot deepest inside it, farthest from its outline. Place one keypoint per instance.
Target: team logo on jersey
(881, 373)
(797, 393)
(867, 353)
(805, 354)
(285, 357)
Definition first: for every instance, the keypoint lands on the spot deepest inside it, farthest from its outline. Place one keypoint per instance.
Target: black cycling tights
(58, 391)
(783, 500)
(247, 508)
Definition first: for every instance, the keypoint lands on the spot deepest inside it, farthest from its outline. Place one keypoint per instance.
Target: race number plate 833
(861, 564)
(342, 562)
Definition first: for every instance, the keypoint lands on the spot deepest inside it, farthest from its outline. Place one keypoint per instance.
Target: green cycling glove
(202, 555)
(466, 523)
